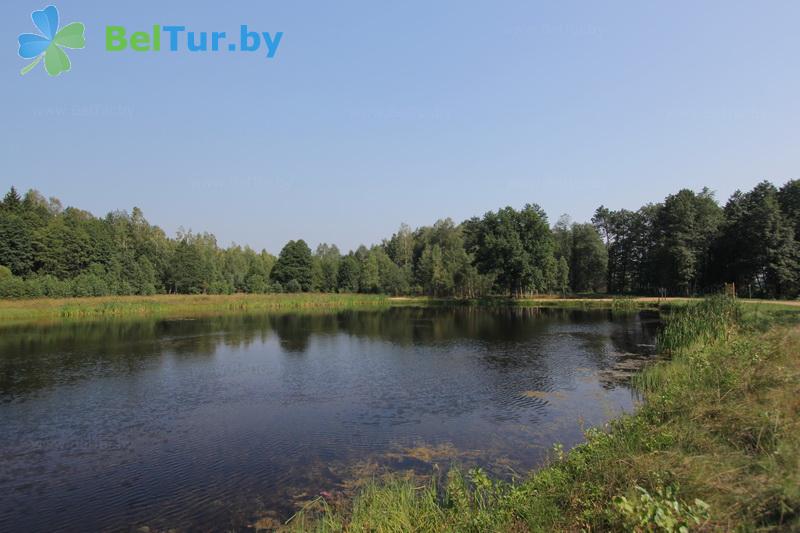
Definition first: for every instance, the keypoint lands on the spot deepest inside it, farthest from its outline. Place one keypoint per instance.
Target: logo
(51, 43)
(117, 40)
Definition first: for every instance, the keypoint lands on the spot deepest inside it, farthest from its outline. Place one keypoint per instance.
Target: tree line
(687, 244)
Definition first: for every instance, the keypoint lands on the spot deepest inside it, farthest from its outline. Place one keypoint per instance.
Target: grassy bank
(715, 446)
(598, 302)
(620, 303)
(177, 305)
(174, 305)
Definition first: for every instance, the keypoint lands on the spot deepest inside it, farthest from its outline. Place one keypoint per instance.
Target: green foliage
(662, 512)
(187, 272)
(684, 229)
(369, 279)
(624, 304)
(14, 287)
(326, 268)
(52, 287)
(685, 245)
(588, 259)
(293, 286)
(92, 282)
(629, 241)
(349, 273)
(562, 275)
(16, 235)
(758, 247)
(294, 264)
(581, 248)
(789, 201)
(704, 323)
(143, 277)
(516, 247)
(12, 200)
(442, 266)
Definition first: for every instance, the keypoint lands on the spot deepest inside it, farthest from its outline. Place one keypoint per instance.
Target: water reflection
(175, 423)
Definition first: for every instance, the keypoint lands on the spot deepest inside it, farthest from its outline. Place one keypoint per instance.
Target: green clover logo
(48, 46)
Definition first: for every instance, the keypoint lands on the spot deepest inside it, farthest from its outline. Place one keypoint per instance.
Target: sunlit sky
(377, 113)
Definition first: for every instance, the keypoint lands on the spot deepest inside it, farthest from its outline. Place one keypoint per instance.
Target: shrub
(294, 286)
(662, 512)
(14, 287)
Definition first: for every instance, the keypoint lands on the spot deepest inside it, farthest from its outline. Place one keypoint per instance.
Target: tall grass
(625, 304)
(689, 332)
(178, 305)
(703, 323)
(194, 305)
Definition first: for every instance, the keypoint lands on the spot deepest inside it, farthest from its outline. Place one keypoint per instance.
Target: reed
(12, 311)
(42, 309)
(704, 323)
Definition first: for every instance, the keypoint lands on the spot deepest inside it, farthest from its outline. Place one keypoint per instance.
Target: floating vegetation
(544, 395)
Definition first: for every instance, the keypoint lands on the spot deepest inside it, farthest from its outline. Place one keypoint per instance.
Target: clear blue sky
(377, 113)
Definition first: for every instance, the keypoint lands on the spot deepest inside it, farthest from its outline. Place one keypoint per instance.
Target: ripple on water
(230, 422)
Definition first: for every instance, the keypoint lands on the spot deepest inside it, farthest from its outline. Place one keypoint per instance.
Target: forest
(688, 244)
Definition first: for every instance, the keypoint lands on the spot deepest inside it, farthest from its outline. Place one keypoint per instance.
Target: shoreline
(191, 306)
(175, 306)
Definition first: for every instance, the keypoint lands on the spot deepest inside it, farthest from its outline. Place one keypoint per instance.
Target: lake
(214, 423)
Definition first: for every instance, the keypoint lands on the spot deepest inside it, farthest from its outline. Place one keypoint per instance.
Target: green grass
(699, 325)
(48, 309)
(15, 311)
(715, 446)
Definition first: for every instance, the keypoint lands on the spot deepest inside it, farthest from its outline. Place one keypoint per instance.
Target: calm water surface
(215, 423)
